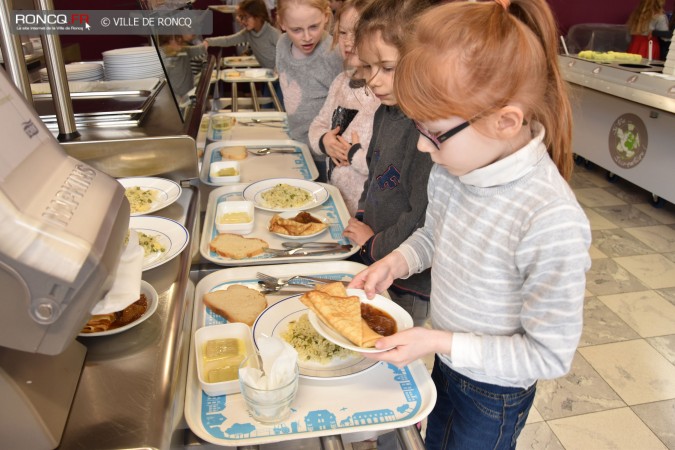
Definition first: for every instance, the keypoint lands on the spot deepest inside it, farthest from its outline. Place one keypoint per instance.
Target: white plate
(172, 235)
(167, 191)
(274, 320)
(153, 300)
(290, 215)
(400, 315)
(257, 73)
(254, 191)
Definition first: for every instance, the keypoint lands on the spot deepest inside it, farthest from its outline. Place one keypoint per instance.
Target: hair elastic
(504, 3)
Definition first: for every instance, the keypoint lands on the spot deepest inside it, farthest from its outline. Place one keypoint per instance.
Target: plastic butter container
(235, 217)
(223, 172)
(220, 349)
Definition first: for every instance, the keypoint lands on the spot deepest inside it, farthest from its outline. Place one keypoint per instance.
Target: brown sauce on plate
(131, 313)
(305, 217)
(378, 320)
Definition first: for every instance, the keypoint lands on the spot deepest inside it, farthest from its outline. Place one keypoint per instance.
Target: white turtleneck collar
(511, 168)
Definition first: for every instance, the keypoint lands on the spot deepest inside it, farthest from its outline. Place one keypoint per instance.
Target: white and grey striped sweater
(508, 246)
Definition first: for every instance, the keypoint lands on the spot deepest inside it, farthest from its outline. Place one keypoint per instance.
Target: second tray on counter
(255, 168)
(334, 209)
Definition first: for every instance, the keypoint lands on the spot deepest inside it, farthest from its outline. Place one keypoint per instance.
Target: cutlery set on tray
(271, 285)
(275, 123)
(308, 249)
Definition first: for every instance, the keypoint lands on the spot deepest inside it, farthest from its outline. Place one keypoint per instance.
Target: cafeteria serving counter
(131, 390)
(624, 121)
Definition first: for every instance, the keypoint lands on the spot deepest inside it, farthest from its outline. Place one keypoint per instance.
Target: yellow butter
(227, 172)
(219, 348)
(235, 217)
(221, 359)
(228, 373)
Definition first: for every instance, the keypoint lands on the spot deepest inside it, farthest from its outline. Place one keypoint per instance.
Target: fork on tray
(263, 124)
(269, 280)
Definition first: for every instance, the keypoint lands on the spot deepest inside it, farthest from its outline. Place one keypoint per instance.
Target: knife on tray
(286, 292)
(323, 280)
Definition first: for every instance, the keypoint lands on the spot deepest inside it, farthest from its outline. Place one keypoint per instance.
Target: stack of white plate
(80, 71)
(132, 63)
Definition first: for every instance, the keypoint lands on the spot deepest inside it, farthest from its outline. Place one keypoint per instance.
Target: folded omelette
(341, 312)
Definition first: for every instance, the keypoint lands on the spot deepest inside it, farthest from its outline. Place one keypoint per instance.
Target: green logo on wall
(628, 141)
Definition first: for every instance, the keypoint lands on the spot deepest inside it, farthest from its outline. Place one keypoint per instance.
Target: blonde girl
(345, 146)
(649, 16)
(306, 63)
(508, 240)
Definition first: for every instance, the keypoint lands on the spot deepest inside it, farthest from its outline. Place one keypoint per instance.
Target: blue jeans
(471, 415)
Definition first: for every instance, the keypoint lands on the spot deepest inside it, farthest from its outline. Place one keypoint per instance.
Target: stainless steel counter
(627, 81)
(624, 122)
(132, 388)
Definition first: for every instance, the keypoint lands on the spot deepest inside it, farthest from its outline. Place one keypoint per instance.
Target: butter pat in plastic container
(219, 350)
(223, 172)
(235, 217)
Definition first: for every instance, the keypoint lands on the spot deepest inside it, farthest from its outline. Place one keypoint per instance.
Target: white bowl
(256, 73)
(216, 166)
(242, 206)
(239, 331)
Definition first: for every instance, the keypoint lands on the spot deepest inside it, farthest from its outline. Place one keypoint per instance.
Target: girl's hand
(355, 139)
(380, 275)
(358, 231)
(336, 147)
(412, 344)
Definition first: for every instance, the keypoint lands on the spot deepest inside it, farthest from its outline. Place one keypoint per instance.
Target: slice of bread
(236, 152)
(237, 303)
(230, 245)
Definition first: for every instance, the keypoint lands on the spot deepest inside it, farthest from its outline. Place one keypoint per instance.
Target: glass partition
(182, 55)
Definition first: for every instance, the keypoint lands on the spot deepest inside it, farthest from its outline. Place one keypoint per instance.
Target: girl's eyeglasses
(437, 140)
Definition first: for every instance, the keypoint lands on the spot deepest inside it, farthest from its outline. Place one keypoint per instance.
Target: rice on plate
(310, 345)
(286, 196)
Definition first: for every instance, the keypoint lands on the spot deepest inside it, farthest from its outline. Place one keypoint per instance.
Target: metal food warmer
(624, 121)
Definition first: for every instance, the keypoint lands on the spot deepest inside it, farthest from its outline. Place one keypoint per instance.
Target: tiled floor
(620, 393)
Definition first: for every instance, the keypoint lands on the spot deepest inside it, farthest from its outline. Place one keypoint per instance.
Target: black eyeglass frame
(438, 140)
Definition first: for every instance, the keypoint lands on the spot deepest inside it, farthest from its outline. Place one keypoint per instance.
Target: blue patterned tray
(255, 168)
(382, 398)
(334, 209)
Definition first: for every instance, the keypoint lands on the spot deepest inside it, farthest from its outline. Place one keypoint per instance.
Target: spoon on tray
(267, 120)
(267, 150)
(293, 245)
